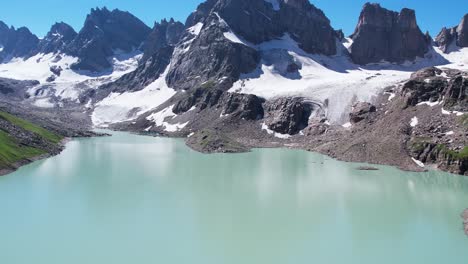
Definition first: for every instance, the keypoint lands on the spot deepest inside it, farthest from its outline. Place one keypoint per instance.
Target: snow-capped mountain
(259, 72)
(104, 34)
(288, 48)
(271, 49)
(67, 64)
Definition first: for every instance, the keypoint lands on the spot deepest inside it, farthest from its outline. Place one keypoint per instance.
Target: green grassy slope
(11, 151)
(31, 127)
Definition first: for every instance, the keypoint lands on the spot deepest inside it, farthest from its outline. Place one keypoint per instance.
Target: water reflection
(127, 198)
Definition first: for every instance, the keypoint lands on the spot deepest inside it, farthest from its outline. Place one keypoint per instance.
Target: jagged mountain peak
(258, 21)
(59, 36)
(450, 39)
(16, 42)
(383, 34)
(104, 33)
(164, 33)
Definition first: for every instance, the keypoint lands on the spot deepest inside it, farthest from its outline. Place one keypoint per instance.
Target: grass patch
(208, 84)
(458, 155)
(11, 151)
(54, 138)
(464, 120)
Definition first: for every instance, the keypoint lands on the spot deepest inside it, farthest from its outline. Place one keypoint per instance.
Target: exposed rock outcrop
(287, 115)
(211, 55)
(382, 34)
(14, 89)
(104, 33)
(16, 42)
(211, 59)
(240, 106)
(449, 87)
(212, 141)
(144, 75)
(164, 34)
(458, 35)
(361, 111)
(442, 137)
(57, 39)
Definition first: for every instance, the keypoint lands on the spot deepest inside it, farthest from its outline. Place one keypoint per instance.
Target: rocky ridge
(457, 36)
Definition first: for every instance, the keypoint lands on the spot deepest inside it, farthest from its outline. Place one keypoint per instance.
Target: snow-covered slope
(334, 80)
(129, 105)
(65, 84)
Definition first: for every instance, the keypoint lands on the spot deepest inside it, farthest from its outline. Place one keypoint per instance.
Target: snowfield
(129, 105)
(69, 85)
(336, 79)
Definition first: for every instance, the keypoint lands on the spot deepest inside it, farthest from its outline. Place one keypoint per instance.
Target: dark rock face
(17, 42)
(4, 33)
(428, 85)
(287, 115)
(382, 34)
(164, 34)
(462, 30)
(200, 98)
(211, 59)
(104, 33)
(361, 111)
(458, 34)
(445, 38)
(57, 70)
(258, 21)
(57, 39)
(10, 88)
(245, 106)
(240, 106)
(144, 75)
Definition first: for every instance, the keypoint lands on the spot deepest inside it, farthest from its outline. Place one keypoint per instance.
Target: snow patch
(196, 29)
(159, 120)
(43, 103)
(457, 113)
(414, 121)
(275, 4)
(271, 132)
(419, 163)
(347, 125)
(429, 103)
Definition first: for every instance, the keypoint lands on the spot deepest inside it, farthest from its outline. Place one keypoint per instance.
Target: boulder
(288, 115)
(361, 111)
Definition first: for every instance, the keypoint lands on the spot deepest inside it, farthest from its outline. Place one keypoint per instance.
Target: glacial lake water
(135, 199)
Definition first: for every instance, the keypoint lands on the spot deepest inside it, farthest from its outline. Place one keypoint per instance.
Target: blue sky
(39, 15)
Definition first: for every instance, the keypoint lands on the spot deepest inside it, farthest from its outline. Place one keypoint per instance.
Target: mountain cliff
(384, 35)
(16, 42)
(104, 34)
(449, 38)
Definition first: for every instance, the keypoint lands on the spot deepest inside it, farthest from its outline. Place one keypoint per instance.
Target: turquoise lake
(135, 199)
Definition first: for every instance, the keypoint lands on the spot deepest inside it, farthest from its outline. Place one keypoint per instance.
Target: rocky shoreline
(24, 162)
(465, 221)
(413, 125)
